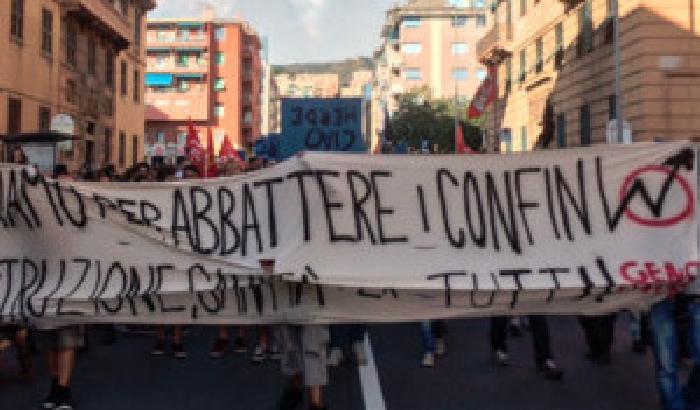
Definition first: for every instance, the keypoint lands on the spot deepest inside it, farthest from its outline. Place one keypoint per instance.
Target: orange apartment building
(431, 43)
(80, 58)
(556, 72)
(207, 70)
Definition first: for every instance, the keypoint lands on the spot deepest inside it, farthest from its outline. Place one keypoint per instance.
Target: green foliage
(420, 118)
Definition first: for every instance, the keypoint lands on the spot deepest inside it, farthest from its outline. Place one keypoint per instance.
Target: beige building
(556, 69)
(83, 58)
(356, 86)
(431, 43)
(301, 85)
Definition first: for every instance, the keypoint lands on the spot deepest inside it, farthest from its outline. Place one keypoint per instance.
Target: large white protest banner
(356, 238)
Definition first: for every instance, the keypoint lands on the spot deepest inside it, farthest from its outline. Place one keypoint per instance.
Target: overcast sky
(299, 30)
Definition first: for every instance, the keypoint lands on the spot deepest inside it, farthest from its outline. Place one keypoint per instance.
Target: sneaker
(50, 401)
(258, 354)
(63, 400)
(335, 357)
(292, 398)
(219, 349)
(440, 347)
(158, 349)
(358, 349)
(428, 360)
(501, 358)
(550, 371)
(239, 345)
(179, 351)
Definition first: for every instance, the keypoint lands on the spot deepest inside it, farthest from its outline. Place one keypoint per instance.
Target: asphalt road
(124, 376)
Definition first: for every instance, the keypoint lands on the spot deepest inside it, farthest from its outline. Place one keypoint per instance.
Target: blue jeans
(429, 330)
(665, 340)
(344, 335)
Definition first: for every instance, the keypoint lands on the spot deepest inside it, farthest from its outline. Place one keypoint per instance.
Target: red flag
(228, 153)
(484, 96)
(460, 146)
(212, 171)
(193, 147)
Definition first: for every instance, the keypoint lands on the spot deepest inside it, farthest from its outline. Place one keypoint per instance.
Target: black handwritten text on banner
(406, 237)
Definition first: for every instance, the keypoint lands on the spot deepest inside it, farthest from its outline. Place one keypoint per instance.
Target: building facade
(556, 71)
(431, 43)
(206, 70)
(82, 58)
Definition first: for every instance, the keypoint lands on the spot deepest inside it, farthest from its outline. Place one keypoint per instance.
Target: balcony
(179, 69)
(193, 42)
(495, 45)
(103, 17)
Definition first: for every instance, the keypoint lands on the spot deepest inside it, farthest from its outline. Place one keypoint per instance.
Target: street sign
(612, 133)
(63, 123)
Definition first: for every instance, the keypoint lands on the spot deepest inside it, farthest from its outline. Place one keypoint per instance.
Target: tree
(419, 118)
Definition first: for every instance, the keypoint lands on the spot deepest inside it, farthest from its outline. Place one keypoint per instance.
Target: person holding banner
(665, 334)
(544, 359)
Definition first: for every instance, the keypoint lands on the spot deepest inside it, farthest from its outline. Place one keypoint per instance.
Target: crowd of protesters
(671, 328)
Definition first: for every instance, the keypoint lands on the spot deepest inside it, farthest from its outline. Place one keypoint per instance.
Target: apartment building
(80, 58)
(431, 43)
(556, 71)
(358, 83)
(207, 70)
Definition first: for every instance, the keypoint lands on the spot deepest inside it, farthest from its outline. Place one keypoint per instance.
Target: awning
(190, 75)
(191, 49)
(190, 24)
(158, 49)
(158, 79)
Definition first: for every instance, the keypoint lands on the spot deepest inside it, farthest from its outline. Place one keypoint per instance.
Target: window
(137, 85)
(412, 74)
(459, 21)
(220, 33)
(248, 117)
(124, 79)
(108, 146)
(14, 116)
(183, 60)
(125, 7)
(457, 3)
(411, 21)
(481, 74)
(71, 91)
(509, 75)
(480, 21)
(184, 34)
(307, 91)
(523, 7)
(184, 85)
(539, 52)
(92, 55)
(181, 138)
(479, 4)
(523, 66)
(412, 48)
(523, 138)
(460, 74)
(220, 59)
(109, 68)
(108, 107)
(46, 31)
(160, 137)
(609, 24)
(44, 118)
(137, 29)
(585, 119)
(585, 30)
(160, 60)
(559, 46)
(612, 107)
(219, 110)
(561, 130)
(122, 148)
(459, 49)
(71, 45)
(292, 89)
(219, 84)
(17, 19)
(134, 149)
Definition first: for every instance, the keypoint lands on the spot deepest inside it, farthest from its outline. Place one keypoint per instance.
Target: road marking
(369, 380)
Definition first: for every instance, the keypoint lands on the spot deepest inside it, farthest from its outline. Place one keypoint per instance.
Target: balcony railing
(495, 45)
